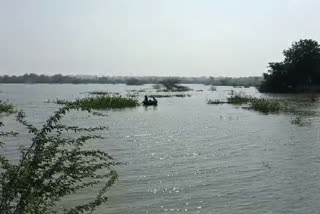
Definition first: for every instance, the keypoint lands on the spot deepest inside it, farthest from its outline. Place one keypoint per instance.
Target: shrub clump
(53, 166)
(6, 108)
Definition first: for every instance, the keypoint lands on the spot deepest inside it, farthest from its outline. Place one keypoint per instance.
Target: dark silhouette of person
(154, 100)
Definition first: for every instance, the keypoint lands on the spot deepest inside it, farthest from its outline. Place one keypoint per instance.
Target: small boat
(150, 103)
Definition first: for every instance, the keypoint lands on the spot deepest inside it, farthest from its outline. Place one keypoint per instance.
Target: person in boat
(146, 101)
(155, 101)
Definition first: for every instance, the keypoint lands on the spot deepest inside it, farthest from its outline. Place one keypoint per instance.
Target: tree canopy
(298, 72)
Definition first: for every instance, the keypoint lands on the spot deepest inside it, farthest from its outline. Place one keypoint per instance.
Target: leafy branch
(53, 166)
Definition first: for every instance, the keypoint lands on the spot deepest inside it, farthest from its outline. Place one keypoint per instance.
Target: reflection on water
(185, 156)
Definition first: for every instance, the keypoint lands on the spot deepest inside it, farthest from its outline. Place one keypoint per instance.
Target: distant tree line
(298, 72)
(63, 79)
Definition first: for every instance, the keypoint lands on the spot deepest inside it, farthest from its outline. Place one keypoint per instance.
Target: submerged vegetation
(102, 102)
(53, 166)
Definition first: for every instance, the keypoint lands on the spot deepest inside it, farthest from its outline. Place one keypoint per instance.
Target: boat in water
(147, 102)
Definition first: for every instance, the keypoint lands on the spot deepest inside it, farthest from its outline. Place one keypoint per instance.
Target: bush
(54, 166)
(6, 108)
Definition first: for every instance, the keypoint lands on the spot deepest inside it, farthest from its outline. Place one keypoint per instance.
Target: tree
(299, 71)
(53, 166)
(172, 84)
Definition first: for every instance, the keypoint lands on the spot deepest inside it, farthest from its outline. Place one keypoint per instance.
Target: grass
(6, 108)
(258, 104)
(239, 99)
(102, 102)
(266, 105)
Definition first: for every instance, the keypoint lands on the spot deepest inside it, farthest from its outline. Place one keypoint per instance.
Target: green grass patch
(102, 102)
(258, 104)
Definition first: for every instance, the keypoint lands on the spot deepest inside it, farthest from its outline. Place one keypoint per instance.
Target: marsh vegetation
(102, 102)
(264, 105)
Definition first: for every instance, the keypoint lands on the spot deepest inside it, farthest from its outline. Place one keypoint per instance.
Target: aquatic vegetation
(53, 166)
(266, 105)
(133, 95)
(156, 86)
(6, 108)
(254, 103)
(212, 88)
(169, 95)
(298, 121)
(98, 92)
(239, 99)
(172, 84)
(102, 102)
(216, 102)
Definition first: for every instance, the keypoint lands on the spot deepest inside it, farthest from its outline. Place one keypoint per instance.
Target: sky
(151, 37)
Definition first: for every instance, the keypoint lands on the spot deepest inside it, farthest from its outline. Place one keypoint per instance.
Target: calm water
(186, 156)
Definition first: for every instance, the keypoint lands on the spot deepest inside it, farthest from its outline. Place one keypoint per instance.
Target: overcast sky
(151, 37)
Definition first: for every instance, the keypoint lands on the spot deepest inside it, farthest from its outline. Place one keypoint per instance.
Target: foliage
(53, 166)
(172, 84)
(266, 105)
(300, 70)
(98, 92)
(298, 121)
(6, 108)
(102, 102)
(258, 104)
(85, 79)
(169, 95)
(216, 102)
(134, 81)
(212, 88)
(239, 99)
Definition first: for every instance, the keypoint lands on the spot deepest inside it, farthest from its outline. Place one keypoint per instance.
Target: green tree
(53, 166)
(299, 71)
